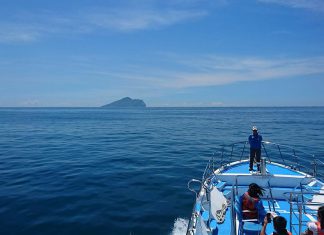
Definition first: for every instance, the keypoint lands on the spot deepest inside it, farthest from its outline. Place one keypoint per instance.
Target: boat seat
(204, 215)
(211, 223)
(315, 189)
(227, 193)
(246, 226)
(219, 184)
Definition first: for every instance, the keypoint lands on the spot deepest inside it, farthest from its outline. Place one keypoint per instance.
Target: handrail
(191, 189)
(282, 154)
(286, 155)
(270, 192)
(209, 169)
(192, 224)
(293, 199)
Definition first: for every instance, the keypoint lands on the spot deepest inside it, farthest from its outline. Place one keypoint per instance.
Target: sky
(169, 53)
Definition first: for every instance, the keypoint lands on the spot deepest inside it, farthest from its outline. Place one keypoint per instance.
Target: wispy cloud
(129, 20)
(315, 5)
(12, 32)
(181, 74)
(180, 71)
(27, 27)
(217, 70)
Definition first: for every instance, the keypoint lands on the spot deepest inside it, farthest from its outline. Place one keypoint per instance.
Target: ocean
(101, 171)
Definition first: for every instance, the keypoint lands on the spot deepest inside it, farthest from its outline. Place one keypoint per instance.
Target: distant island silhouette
(126, 103)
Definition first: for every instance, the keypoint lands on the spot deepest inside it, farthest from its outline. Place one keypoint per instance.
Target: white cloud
(12, 32)
(316, 5)
(137, 19)
(217, 70)
(30, 28)
(27, 27)
(207, 70)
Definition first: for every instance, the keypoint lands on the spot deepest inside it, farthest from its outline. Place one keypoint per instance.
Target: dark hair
(255, 190)
(279, 224)
(320, 213)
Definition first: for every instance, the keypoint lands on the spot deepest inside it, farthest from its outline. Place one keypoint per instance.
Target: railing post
(233, 220)
(222, 155)
(213, 165)
(243, 151)
(281, 155)
(263, 169)
(296, 159)
(300, 218)
(231, 153)
(265, 150)
(291, 211)
(315, 167)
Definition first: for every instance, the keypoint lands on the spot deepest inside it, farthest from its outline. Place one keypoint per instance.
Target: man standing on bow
(255, 141)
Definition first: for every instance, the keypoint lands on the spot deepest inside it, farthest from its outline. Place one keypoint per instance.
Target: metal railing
(282, 154)
(299, 207)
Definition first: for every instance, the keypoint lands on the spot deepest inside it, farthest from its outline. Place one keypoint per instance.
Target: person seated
(251, 204)
(316, 228)
(279, 225)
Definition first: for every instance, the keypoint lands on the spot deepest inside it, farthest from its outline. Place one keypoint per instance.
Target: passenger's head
(279, 224)
(320, 216)
(255, 190)
(254, 130)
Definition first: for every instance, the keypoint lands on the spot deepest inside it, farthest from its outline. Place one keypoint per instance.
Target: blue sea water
(100, 171)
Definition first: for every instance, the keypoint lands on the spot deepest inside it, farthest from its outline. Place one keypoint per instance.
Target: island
(126, 103)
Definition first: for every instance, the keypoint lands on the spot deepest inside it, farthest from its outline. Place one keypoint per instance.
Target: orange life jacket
(320, 231)
(248, 203)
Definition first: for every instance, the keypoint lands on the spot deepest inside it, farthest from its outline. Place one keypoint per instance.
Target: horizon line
(230, 106)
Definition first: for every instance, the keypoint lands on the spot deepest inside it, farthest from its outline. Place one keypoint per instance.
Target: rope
(220, 214)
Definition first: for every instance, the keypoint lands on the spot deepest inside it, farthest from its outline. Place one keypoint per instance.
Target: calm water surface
(97, 171)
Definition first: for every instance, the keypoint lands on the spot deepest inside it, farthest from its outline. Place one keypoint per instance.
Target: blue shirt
(255, 141)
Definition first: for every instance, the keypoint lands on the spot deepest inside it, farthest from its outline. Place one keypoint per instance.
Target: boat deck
(282, 209)
(293, 189)
(272, 168)
(280, 205)
(279, 183)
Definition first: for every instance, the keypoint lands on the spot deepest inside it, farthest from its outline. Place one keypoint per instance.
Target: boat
(292, 179)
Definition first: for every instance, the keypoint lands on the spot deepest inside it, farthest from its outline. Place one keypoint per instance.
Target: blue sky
(87, 53)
